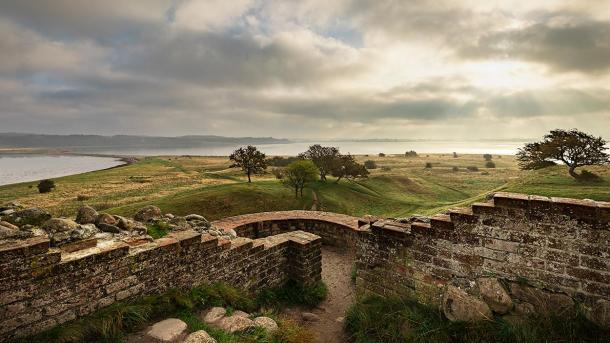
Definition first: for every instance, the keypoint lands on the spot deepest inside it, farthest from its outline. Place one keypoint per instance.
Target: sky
(332, 69)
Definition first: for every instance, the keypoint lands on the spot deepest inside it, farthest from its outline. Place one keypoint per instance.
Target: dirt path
(336, 271)
(314, 206)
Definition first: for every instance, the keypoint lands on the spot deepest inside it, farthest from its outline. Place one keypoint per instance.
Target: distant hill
(28, 140)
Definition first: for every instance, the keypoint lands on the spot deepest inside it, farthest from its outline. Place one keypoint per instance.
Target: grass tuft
(293, 294)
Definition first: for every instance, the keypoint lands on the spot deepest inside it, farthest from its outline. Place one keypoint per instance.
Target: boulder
(460, 306)
(168, 330)
(11, 233)
(544, 302)
(108, 228)
(9, 225)
(199, 337)
(86, 215)
(241, 314)
(214, 314)
(179, 224)
(195, 217)
(266, 323)
(57, 225)
(147, 213)
(524, 309)
(495, 295)
(85, 231)
(105, 218)
(126, 224)
(234, 324)
(600, 313)
(29, 216)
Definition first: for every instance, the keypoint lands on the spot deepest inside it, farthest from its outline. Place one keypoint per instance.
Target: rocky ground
(90, 226)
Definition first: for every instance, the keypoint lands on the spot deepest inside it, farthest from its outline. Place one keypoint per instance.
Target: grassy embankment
(400, 186)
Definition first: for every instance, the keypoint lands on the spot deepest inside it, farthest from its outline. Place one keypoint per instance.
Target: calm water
(22, 168)
(359, 148)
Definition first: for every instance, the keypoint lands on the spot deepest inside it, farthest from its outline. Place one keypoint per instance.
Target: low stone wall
(520, 253)
(335, 229)
(41, 287)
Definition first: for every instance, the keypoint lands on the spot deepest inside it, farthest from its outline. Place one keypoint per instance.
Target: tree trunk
(296, 191)
(573, 173)
(322, 176)
(301, 192)
(249, 180)
(339, 179)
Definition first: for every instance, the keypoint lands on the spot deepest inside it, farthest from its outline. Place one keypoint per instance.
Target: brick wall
(41, 287)
(558, 246)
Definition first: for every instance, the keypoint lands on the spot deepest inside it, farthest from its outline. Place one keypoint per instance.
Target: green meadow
(398, 187)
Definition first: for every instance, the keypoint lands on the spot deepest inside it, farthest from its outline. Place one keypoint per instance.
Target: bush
(278, 161)
(472, 168)
(381, 154)
(82, 197)
(410, 154)
(455, 155)
(487, 157)
(428, 165)
(370, 164)
(278, 173)
(46, 186)
(455, 169)
(587, 176)
(490, 164)
(293, 294)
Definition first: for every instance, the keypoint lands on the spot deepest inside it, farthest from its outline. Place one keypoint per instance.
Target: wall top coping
(336, 218)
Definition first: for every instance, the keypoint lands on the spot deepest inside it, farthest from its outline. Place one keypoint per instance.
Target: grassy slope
(399, 187)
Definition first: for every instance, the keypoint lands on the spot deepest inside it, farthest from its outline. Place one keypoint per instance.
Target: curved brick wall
(335, 229)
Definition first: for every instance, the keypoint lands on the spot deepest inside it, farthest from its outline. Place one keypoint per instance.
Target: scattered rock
(56, 225)
(129, 225)
(147, 213)
(7, 212)
(266, 323)
(310, 317)
(214, 314)
(179, 224)
(524, 309)
(191, 217)
(600, 313)
(235, 324)
(169, 216)
(85, 231)
(199, 337)
(241, 314)
(62, 231)
(495, 295)
(86, 215)
(105, 218)
(31, 216)
(9, 225)
(167, 330)
(461, 306)
(10, 233)
(108, 228)
(544, 302)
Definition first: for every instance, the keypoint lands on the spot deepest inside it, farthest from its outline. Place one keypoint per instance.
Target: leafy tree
(411, 153)
(298, 174)
(381, 154)
(346, 166)
(574, 148)
(45, 186)
(250, 160)
(370, 164)
(323, 157)
(455, 155)
(487, 157)
(428, 165)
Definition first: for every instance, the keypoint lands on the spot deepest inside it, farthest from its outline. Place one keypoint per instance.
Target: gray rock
(84, 231)
(105, 218)
(128, 224)
(9, 225)
(108, 228)
(56, 225)
(241, 314)
(460, 306)
(544, 302)
(214, 314)
(495, 295)
(147, 213)
(234, 324)
(86, 215)
(31, 216)
(169, 216)
(179, 224)
(310, 317)
(7, 212)
(12, 233)
(167, 330)
(191, 217)
(266, 323)
(199, 337)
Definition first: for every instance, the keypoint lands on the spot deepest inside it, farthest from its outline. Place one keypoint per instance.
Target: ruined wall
(335, 229)
(41, 287)
(533, 253)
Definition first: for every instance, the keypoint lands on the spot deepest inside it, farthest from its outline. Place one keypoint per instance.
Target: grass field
(399, 187)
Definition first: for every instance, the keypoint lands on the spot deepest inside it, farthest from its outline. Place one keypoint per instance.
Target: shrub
(293, 294)
(455, 155)
(428, 165)
(278, 173)
(410, 153)
(490, 164)
(472, 168)
(279, 161)
(455, 169)
(587, 176)
(381, 154)
(370, 164)
(46, 186)
(83, 197)
(487, 157)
